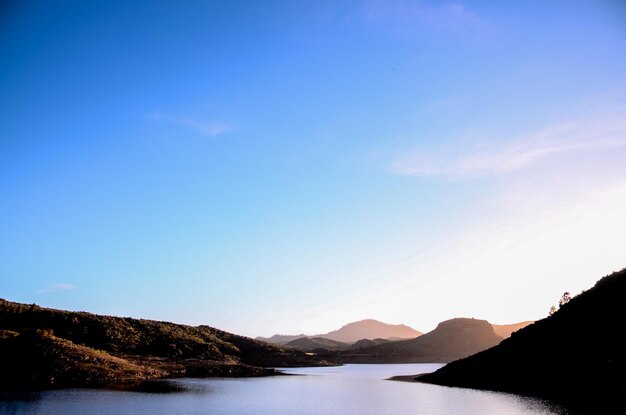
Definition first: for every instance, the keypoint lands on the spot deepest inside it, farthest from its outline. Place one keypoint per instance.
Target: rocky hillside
(84, 349)
(39, 359)
(577, 355)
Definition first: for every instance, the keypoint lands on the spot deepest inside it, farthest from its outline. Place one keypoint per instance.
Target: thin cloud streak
(575, 138)
(411, 16)
(54, 288)
(209, 129)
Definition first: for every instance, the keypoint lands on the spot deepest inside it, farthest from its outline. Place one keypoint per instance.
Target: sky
(292, 166)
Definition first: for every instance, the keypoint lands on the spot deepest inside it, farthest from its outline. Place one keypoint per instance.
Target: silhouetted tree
(565, 299)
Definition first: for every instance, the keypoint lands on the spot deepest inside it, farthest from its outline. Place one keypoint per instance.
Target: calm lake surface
(345, 390)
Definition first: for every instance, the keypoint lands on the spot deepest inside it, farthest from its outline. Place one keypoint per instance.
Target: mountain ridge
(502, 330)
(352, 332)
(314, 343)
(450, 340)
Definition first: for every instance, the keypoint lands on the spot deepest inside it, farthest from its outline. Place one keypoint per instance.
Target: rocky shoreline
(48, 349)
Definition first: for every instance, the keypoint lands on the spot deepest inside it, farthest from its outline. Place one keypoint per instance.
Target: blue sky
(293, 166)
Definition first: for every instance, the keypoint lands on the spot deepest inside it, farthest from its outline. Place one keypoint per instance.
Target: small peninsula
(43, 348)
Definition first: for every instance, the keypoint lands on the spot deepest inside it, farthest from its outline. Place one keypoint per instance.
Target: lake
(344, 390)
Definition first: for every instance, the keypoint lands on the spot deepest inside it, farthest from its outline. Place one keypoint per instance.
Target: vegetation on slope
(39, 359)
(156, 348)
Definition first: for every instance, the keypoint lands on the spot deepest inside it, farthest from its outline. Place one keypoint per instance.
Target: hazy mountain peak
(450, 340)
(371, 329)
(355, 331)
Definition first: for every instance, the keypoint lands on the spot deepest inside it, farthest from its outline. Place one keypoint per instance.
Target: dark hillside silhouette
(577, 355)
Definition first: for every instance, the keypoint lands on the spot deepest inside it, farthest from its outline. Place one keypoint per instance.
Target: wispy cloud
(591, 137)
(209, 129)
(414, 15)
(54, 288)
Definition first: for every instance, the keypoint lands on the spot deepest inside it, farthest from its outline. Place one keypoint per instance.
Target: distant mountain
(394, 339)
(577, 355)
(41, 347)
(313, 343)
(281, 338)
(350, 333)
(371, 329)
(369, 343)
(451, 340)
(505, 330)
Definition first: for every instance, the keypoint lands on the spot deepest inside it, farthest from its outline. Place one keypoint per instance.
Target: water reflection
(346, 390)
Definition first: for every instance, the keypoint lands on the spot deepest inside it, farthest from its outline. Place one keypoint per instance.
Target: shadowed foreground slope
(42, 347)
(577, 355)
(38, 359)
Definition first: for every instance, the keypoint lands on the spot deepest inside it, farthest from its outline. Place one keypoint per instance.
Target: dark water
(345, 390)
